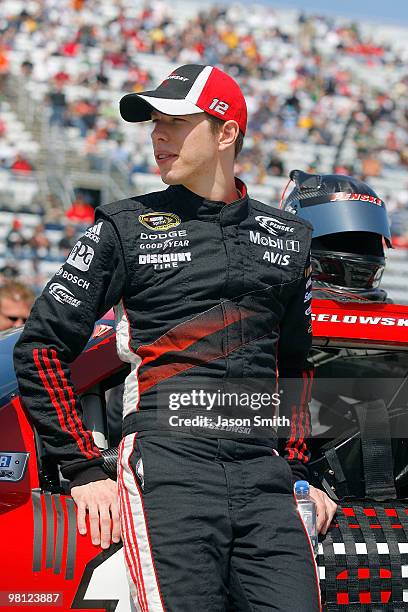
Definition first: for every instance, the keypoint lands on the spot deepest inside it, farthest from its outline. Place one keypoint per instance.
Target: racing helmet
(350, 223)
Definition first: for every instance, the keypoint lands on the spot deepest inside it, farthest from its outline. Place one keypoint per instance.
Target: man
(209, 521)
(16, 301)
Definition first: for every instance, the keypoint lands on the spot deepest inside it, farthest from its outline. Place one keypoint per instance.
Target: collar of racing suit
(198, 207)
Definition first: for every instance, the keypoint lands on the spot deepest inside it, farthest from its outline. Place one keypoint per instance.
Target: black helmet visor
(346, 212)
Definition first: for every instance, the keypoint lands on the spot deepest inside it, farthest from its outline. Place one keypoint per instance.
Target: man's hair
(215, 125)
(15, 290)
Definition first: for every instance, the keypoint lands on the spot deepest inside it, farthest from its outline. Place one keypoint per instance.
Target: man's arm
(89, 283)
(296, 376)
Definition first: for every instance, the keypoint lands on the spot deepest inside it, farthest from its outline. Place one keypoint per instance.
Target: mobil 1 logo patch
(274, 243)
(81, 256)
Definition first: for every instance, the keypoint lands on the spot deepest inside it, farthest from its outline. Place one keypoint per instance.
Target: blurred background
(325, 93)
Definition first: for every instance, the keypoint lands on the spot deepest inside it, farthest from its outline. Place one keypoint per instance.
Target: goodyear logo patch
(159, 221)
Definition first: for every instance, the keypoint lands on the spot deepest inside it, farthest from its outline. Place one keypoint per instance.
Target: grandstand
(323, 93)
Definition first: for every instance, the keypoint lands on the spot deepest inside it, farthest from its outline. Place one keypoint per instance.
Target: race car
(360, 354)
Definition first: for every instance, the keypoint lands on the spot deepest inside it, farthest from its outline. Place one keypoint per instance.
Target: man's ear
(228, 134)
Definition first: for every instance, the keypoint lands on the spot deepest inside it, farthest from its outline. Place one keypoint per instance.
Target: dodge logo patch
(159, 221)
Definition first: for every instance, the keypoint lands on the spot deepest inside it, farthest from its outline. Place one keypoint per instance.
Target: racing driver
(207, 285)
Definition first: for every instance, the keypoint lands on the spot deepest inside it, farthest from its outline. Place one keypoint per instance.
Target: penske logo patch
(273, 226)
(159, 221)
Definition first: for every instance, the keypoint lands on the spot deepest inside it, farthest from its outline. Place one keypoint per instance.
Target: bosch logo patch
(73, 278)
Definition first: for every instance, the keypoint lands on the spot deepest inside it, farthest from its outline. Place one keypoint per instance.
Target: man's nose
(160, 132)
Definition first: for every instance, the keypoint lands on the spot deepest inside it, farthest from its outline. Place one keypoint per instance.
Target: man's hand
(325, 507)
(100, 498)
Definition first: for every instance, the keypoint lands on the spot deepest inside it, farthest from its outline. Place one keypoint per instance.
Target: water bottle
(307, 510)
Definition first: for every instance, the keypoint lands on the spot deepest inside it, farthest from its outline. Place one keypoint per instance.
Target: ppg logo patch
(159, 220)
(81, 256)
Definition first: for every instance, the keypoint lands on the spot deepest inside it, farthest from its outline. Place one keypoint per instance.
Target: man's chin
(169, 179)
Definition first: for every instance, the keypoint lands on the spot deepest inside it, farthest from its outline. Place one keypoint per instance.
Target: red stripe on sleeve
(86, 435)
(57, 406)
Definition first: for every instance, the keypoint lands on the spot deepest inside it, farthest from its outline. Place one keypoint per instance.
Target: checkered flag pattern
(363, 559)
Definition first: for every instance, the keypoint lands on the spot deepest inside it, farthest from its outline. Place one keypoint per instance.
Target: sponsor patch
(258, 238)
(272, 225)
(81, 256)
(173, 239)
(293, 245)
(74, 279)
(159, 221)
(164, 260)
(94, 232)
(63, 295)
(277, 258)
(177, 77)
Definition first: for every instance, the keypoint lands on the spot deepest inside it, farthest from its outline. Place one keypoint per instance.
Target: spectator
(80, 211)
(68, 240)
(15, 239)
(9, 271)
(16, 301)
(275, 166)
(58, 104)
(21, 165)
(26, 69)
(84, 116)
(4, 67)
(39, 242)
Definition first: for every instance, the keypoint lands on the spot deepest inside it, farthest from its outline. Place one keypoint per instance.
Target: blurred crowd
(309, 80)
(303, 79)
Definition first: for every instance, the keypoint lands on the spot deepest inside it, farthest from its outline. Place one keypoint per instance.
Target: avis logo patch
(272, 225)
(159, 221)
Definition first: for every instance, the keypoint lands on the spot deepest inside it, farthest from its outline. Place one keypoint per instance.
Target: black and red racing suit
(200, 289)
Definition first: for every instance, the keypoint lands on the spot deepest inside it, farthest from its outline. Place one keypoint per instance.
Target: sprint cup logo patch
(159, 221)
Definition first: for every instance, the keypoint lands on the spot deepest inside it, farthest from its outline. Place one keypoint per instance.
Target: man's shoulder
(138, 203)
(282, 216)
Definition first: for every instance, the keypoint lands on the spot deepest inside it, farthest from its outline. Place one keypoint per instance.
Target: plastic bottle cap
(302, 486)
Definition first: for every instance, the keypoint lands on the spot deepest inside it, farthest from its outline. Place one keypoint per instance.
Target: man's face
(13, 313)
(185, 148)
